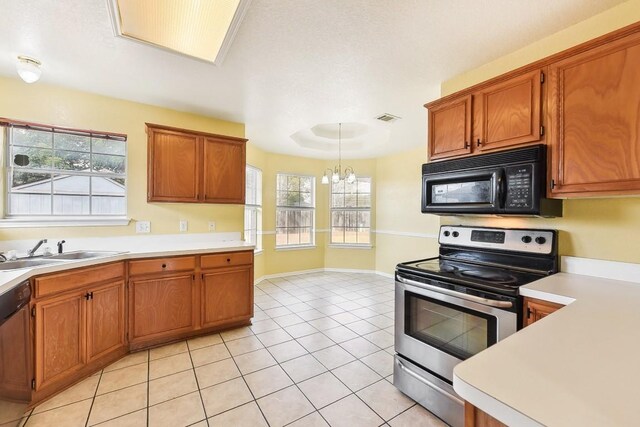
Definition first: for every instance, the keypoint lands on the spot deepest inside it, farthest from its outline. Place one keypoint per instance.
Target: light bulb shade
(28, 69)
(325, 179)
(335, 178)
(351, 177)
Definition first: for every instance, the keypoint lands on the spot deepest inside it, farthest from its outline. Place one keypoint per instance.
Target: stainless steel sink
(26, 263)
(83, 255)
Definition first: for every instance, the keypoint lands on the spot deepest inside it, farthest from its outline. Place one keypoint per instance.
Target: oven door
(438, 328)
(470, 192)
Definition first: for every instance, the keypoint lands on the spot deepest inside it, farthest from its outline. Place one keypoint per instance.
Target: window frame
(345, 209)
(311, 209)
(50, 219)
(257, 208)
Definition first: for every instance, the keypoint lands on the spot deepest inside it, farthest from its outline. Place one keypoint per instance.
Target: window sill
(348, 246)
(62, 222)
(295, 248)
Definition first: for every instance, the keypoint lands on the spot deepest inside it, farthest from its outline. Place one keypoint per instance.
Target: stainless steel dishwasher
(16, 366)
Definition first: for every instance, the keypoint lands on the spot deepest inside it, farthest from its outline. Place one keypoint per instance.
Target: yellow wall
(403, 232)
(47, 104)
(591, 228)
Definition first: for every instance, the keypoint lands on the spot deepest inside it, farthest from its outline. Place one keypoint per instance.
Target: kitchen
(595, 228)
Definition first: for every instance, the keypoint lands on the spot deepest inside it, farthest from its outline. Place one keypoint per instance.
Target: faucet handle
(60, 243)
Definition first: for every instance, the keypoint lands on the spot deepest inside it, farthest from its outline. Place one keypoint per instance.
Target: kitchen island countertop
(576, 367)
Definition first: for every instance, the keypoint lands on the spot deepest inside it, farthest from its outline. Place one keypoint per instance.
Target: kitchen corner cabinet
(194, 167)
(474, 417)
(227, 288)
(502, 115)
(79, 320)
(535, 309)
(594, 115)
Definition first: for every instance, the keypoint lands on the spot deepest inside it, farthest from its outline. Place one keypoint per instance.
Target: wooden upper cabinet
(174, 166)
(222, 159)
(450, 128)
(508, 113)
(594, 113)
(196, 167)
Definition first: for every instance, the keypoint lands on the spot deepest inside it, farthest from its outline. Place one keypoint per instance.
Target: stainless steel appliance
(452, 307)
(505, 183)
(16, 365)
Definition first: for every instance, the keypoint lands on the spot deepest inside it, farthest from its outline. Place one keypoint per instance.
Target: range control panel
(519, 188)
(509, 239)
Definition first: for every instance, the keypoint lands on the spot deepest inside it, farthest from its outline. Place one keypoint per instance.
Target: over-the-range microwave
(509, 182)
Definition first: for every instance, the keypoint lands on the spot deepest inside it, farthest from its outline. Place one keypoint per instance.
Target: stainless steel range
(454, 306)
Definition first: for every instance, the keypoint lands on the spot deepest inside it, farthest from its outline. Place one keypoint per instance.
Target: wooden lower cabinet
(161, 306)
(227, 296)
(76, 329)
(474, 417)
(60, 338)
(535, 309)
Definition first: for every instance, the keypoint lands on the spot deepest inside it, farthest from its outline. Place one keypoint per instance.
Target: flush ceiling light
(196, 28)
(28, 69)
(349, 174)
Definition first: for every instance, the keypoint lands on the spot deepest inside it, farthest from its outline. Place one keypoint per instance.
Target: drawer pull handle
(164, 265)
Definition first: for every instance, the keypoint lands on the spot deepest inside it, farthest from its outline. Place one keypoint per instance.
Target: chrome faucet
(30, 252)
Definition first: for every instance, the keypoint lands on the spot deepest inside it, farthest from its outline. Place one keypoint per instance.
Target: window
(351, 212)
(253, 208)
(64, 172)
(295, 212)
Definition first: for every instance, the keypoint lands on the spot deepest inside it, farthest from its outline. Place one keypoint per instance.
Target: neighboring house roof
(74, 184)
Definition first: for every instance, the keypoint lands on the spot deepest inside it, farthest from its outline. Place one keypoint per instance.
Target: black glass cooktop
(502, 280)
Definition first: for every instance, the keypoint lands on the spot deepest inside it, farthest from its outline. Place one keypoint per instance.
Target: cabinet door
(594, 106)
(535, 310)
(15, 357)
(227, 296)
(224, 171)
(161, 307)
(60, 338)
(174, 166)
(450, 128)
(509, 112)
(105, 320)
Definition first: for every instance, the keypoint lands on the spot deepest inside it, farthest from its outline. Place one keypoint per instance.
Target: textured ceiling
(294, 63)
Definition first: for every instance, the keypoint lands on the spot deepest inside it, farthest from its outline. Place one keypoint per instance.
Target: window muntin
(253, 207)
(52, 172)
(351, 212)
(295, 211)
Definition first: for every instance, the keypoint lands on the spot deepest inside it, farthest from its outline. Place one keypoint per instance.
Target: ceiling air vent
(386, 117)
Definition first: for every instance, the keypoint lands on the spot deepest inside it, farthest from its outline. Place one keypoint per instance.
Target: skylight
(196, 28)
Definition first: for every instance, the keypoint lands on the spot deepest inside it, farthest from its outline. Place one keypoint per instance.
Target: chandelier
(349, 174)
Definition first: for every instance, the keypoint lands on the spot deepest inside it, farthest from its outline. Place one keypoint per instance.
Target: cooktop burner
(499, 279)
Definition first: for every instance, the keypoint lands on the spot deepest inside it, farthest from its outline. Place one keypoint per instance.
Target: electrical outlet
(143, 227)
(184, 225)
(212, 226)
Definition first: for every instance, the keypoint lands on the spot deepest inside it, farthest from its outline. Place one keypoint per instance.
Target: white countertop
(131, 247)
(579, 366)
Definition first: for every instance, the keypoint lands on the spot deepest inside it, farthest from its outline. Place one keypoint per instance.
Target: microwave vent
(535, 153)
(386, 117)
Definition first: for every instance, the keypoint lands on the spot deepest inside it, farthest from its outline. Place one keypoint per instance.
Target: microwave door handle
(500, 189)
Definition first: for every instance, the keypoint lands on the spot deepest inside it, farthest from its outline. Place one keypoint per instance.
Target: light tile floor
(319, 352)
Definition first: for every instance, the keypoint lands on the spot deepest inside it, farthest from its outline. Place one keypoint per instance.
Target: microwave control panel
(519, 188)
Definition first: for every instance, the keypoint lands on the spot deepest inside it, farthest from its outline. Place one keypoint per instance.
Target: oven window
(461, 192)
(456, 330)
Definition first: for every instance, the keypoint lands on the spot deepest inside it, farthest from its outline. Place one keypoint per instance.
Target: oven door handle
(479, 300)
(426, 382)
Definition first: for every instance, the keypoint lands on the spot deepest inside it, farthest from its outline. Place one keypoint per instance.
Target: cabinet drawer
(77, 278)
(161, 265)
(226, 259)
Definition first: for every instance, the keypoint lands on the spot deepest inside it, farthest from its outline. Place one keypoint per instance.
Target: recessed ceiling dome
(349, 130)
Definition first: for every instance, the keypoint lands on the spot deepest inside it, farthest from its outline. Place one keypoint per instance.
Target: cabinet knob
(228, 259)
(164, 265)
